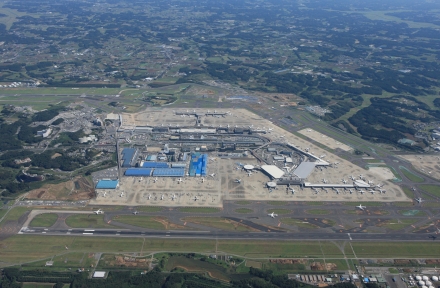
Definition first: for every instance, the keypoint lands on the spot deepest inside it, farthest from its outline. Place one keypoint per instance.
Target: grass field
(199, 210)
(150, 222)
(433, 189)
(244, 210)
(25, 248)
(44, 220)
(397, 224)
(393, 249)
(408, 192)
(219, 223)
(15, 214)
(411, 176)
(87, 221)
(318, 211)
(193, 265)
(412, 212)
(297, 222)
(279, 211)
(38, 285)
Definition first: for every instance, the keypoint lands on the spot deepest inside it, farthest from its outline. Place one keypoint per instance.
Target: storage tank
(425, 278)
(434, 278)
(428, 283)
(421, 283)
(418, 278)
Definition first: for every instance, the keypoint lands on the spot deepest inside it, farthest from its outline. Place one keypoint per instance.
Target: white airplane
(371, 191)
(105, 193)
(273, 215)
(351, 191)
(238, 181)
(212, 175)
(382, 191)
(322, 156)
(344, 181)
(180, 180)
(419, 200)
(362, 191)
(324, 180)
(99, 211)
(122, 194)
(352, 178)
(361, 207)
(173, 197)
(161, 197)
(370, 182)
(361, 177)
(337, 190)
(196, 198)
(379, 185)
(270, 129)
(155, 180)
(149, 196)
(249, 174)
(203, 180)
(135, 212)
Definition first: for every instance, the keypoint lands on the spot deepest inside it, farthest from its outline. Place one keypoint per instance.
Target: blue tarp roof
(155, 165)
(169, 172)
(138, 172)
(107, 184)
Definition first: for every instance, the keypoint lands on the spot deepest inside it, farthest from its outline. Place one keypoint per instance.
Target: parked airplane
(361, 207)
(161, 197)
(249, 174)
(196, 198)
(362, 191)
(273, 215)
(99, 211)
(149, 196)
(212, 175)
(382, 191)
(344, 181)
(370, 182)
(203, 180)
(155, 180)
(337, 190)
(180, 180)
(324, 180)
(135, 212)
(122, 194)
(419, 200)
(351, 191)
(173, 197)
(371, 191)
(361, 176)
(238, 181)
(352, 178)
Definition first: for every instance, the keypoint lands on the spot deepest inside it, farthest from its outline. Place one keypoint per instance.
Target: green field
(297, 222)
(219, 223)
(193, 265)
(14, 214)
(150, 222)
(199, 210)
(433, 189)
(393, 249)
(279, 211)
(397, 224)
(44, 220)
(87, 221)
(38, 285)
(318, 211)
(411, 176)
(244, 210)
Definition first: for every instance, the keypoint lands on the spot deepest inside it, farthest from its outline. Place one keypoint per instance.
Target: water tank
(421, 283)
(418, 278)
(425, 278)
(434, 278)
(428, 283)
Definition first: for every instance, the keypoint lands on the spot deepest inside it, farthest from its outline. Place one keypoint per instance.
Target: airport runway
(230, 235)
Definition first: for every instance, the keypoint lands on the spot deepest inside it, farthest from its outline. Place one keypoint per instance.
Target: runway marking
(87, 233)
(184, 224)
(88, 230)
(279, 224)
(349, 236)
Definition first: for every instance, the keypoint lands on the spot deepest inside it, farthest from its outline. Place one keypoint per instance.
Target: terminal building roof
(304, 169)
(273, 171)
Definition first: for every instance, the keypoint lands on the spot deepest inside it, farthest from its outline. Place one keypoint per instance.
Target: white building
(44, 133)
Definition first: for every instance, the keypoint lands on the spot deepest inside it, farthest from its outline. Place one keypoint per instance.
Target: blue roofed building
(198, 164)
(107, 184)
(145, 172)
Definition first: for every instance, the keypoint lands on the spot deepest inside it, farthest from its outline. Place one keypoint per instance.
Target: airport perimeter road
(231, 235)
